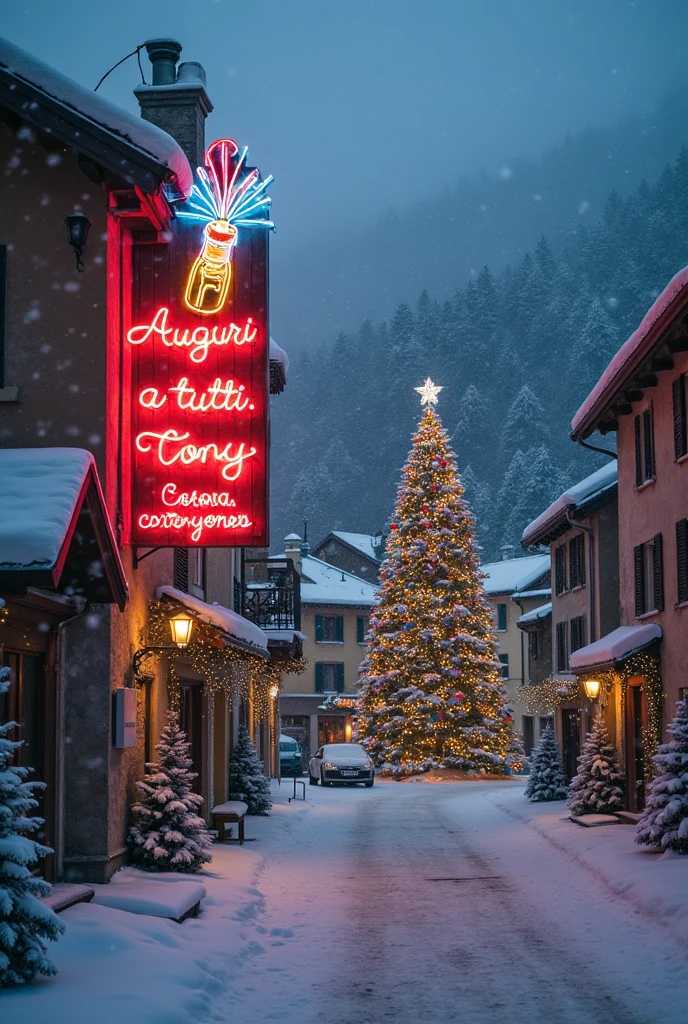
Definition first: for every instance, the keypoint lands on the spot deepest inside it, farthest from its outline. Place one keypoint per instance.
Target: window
(197, 566)
(501, 618)
(644, 447)
(649, 581)
(546, 723)
(562, 647)
(577, 561)
(3, 291)
(329, 629)
(682, 560)
(528, 730)
(329, 676)
(678, 389)
(361, 628)
(560, 569)
(533, 645)
(180, 576)
(504, 658)
(578, 633)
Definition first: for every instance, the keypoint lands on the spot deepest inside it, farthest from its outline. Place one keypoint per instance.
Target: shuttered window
(361, 628)
(560, 569)
(678, 389)
(657, 574)
(682, 560)
(639, 570)
(649, 576)
(562, 651)
(638, 454)
(577, 561)
(181, 569)
(329, 676)
(578, 633)
(329, 629)
(501, 618)
(644, 447)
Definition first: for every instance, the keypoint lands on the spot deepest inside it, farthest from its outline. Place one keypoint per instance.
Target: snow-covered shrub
(546, 780)
(26, 924)
(168, 834)
(665, 819)
(597, 787)
(247, 780)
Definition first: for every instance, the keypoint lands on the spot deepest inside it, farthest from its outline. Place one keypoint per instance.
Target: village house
(318, 705)
(359, 553)
(581, 530)
(103, 631)
(513, 587)
(640, 667)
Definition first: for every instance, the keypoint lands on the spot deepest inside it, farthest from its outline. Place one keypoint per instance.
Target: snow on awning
(279, 364)
(538, 614)
(130, 129)
(234, 625)
(55, 531)
(616, 646)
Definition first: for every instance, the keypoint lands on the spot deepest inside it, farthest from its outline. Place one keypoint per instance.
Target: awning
(238, 630)
(616, 646)
(531, 618)
(55, 532)
(285, 645)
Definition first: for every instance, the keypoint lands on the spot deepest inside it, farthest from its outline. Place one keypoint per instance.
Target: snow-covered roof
(278, 355)
(513, 574)
(575, 497)
(363, 542)
(139, 133)
(322, 583)
(524, 595)
(615, 646)
(217, 615)
(623, 366)
(543, 611)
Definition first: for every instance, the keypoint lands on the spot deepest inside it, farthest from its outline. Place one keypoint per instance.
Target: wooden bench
(229, 813)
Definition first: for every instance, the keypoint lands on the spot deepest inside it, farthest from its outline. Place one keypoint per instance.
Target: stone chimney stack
(507, 551)
(292, 549)
(177, 100)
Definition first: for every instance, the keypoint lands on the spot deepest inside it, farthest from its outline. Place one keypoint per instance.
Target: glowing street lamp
(181, 627)
(592, 688)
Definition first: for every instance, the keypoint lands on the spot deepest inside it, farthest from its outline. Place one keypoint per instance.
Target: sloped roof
(624, 365)
(362, 542)
(543, 611)
(230, 622)
(553, 521)
(141, 136)
(616, 646)
(322, 583)
(512, 574)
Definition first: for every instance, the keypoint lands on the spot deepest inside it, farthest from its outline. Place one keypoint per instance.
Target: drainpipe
(591, 570)
(594, 448)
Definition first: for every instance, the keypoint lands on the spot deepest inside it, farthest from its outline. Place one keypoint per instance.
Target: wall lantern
(181, 627)
(78, 226)
(274, 692)
(592, 688)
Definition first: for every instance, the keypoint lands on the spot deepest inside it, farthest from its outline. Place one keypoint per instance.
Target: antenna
(305, 531)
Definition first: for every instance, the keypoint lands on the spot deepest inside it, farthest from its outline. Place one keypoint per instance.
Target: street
(434, 903)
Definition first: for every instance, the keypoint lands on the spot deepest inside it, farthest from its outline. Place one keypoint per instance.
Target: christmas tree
(431, 691)
(26, 924)
(168, 834)
(665, 819)
(247, 780)
(597, 787)
(546, 780)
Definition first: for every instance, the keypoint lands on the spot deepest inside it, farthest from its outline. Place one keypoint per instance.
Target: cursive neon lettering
(199, 340)
(171, 449)
(196, 499)
(175, 521)
(220, 396)
(150, 398)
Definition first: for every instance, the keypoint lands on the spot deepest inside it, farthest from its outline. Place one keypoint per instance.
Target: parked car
(340, 762)
(290, 756)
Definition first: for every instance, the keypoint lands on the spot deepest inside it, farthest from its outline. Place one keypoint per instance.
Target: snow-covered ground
(412, 902)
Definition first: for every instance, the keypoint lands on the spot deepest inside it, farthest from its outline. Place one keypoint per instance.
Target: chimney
(507, 551)
(292, 549)
(177, 100)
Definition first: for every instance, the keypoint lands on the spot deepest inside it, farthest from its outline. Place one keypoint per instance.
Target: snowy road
(435, 903)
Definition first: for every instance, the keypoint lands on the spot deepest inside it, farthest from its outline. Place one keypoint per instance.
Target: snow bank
(142, 134)
(575, 496)
(153, 895)
(217, 615)
(39, 490)
(618, 644)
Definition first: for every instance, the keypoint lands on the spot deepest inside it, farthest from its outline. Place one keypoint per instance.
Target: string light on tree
(431, 690)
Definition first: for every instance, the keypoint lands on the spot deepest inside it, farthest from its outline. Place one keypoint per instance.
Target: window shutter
(180, 573)
(501, 618)
(638, 454)
(360, 629)
(562, 660)
(318, 629)
(339, 628)
(573, 563)
(340, 677)
(639, 579)
(581, 560)
(647, 444)
(682, 559)
(657, 573)
(318, 677)
(678, 391)
(560, 568)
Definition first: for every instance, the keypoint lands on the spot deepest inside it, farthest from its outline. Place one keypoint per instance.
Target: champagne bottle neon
(211, 273)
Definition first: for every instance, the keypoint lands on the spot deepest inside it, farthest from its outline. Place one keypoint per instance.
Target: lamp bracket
(143, 653)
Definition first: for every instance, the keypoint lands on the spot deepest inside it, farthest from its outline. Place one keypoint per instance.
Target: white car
(340, 762)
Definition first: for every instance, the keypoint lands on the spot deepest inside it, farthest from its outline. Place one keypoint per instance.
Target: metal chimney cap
(192, 72)
(163, 55)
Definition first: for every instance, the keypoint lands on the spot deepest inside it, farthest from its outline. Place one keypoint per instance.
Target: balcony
(270, 595)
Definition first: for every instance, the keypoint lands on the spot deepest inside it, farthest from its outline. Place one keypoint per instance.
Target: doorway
(636, 724)
(570, 731)
(191, 721)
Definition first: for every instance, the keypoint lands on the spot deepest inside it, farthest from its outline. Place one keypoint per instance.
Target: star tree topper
(429, 392)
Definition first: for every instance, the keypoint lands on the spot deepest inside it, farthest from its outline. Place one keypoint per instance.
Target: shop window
(329, 629)
(644, 447)
(679, 400)
(501, 618)
(577, 561)
(329, 676)
(504, 658)
(361, 628)
(562, 647)
(649, 577)
(578, 633)
(560, 569)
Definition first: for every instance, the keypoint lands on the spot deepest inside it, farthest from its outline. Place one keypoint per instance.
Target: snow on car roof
(344, 748)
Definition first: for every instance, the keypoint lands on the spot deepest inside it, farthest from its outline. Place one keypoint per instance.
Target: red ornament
(424, 509)
(443, 463)
(435, 487)
(393, 526)
(459, 695)
(509, 718)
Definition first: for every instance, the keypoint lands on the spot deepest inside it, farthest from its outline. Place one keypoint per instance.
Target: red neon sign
(199, 401)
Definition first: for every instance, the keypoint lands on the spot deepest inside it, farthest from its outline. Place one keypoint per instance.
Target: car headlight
(328, 766)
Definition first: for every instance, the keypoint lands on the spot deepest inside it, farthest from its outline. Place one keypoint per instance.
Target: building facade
(361, 554)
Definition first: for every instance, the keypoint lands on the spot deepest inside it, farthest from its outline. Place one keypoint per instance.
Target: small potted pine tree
(597, 787)
(665, 820)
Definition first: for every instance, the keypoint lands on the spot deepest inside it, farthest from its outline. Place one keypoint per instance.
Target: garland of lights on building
(545, 697)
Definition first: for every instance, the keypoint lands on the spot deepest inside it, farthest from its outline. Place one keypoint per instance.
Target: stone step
(628, 817)
(66, 894)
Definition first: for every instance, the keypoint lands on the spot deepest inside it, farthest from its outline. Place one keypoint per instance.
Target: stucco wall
(349, 652)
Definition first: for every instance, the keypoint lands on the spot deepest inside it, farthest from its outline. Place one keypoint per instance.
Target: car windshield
(351, 750)
(289, 746)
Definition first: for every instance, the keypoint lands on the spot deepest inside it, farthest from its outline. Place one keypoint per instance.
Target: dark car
(290, 756)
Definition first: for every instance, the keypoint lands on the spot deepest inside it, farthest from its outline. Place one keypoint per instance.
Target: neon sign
(224, 198)
(198, 346)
